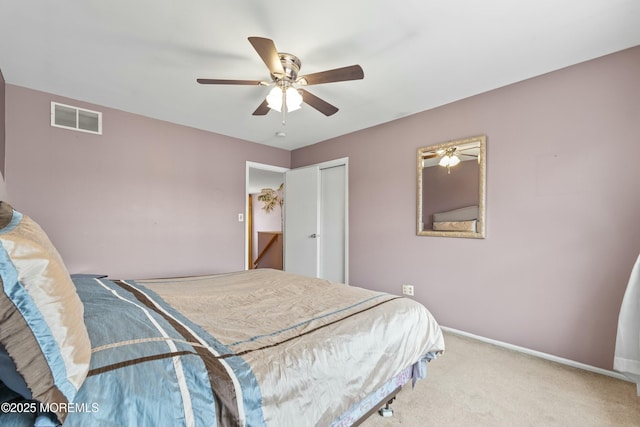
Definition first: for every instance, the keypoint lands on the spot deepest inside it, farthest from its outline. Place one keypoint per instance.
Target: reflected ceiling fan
(450, 156)
(287, 94)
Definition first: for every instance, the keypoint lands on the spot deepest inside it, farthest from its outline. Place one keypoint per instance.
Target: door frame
(343, 161)
(253, 165)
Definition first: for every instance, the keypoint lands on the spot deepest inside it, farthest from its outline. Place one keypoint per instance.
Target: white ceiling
(143, 56)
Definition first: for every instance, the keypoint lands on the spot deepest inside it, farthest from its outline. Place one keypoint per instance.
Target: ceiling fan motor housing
(291, 65)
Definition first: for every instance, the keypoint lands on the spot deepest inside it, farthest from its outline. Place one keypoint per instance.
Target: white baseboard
(539, 354)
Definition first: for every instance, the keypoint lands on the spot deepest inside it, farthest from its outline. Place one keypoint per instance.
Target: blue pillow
(42, 328)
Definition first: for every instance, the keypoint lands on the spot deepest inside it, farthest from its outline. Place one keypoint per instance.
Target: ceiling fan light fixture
(294, 99)
(449, 160)
(274, 99)
(449, 157)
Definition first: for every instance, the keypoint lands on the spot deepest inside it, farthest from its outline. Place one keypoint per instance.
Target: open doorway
(263, 233)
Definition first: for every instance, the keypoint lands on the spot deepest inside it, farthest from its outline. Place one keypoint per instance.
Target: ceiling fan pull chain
(284, 107)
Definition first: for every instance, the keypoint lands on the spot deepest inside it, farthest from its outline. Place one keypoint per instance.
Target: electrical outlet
(407, 289)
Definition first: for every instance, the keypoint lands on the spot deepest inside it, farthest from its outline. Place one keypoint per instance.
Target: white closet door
(301, 214)
(332, 223)
(315, 221)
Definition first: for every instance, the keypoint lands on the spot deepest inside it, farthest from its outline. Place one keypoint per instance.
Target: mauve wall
(563, 205)
(146, 198)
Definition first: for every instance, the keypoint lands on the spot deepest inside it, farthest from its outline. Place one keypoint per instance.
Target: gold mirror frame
(436, 151)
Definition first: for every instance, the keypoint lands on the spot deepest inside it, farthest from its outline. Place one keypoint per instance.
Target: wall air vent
(69, 117)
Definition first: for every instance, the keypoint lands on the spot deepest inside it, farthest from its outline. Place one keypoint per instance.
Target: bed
(252, 348)
(461, 219)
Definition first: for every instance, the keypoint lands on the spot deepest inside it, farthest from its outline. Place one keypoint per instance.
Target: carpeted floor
(479, 384)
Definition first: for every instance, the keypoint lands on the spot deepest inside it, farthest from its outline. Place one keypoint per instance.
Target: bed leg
(387, 410)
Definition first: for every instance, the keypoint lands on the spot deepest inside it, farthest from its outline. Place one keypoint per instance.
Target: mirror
(451, 188)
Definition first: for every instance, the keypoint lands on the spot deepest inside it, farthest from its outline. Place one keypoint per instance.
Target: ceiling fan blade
(262, 109)
(229, 82)
(353, 72)
(319, 104)
(269, 54)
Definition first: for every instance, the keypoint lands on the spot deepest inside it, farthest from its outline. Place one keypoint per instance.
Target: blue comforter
(144, 351)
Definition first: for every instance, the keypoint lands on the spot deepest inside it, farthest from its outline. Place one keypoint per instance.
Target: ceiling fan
(287, 94)
(450, 156)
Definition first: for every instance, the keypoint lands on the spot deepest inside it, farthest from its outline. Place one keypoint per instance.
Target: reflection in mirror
(451, 188)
